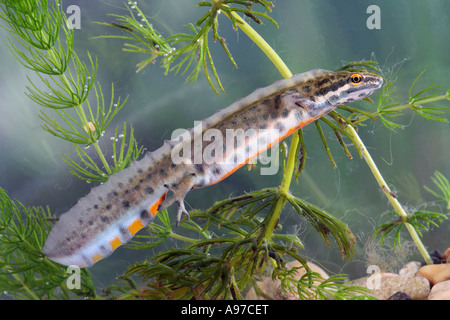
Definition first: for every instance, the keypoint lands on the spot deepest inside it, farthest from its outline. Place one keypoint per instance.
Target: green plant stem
(263, 45)
(392, 199)
(405, 106)
(286, 73)
(102, 157)
(287, 177)
(19, 280)
(289, 170)
(80, 111)
(182, 238)
(85, 124)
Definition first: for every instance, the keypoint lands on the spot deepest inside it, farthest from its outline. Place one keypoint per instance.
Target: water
(312, 34)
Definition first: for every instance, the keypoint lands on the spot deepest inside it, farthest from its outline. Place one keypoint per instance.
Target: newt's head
(351, 86)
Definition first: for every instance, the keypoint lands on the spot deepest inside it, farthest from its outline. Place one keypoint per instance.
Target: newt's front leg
(179, 191)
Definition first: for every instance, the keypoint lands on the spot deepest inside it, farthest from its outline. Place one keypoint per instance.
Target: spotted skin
(113, 212)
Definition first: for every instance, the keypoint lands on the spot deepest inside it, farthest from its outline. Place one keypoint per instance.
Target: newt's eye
(356, 78)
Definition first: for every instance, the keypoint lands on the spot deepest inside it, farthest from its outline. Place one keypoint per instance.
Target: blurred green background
(414, 37)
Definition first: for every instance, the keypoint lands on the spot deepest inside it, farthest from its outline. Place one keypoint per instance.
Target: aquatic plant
(209, 266)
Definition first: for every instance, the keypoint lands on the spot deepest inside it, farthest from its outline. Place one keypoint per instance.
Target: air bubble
(121, 135)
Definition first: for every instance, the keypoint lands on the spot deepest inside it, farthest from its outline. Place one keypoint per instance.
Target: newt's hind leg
(179, 191)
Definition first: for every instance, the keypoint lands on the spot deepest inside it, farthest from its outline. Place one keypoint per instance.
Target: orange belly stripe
(135, 226)
(115, 243)
(288, 133)
(154, 208)
(97, 257)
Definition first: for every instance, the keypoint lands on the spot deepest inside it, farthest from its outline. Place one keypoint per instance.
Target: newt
(113, 212)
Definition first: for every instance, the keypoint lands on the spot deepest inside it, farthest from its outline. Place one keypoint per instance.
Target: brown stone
(410, 269)
(435, 273)
(302, 271)
(385, 285)
(440, 291)
(370, 281)
(446, 256)
(272, 289)
(399, 296)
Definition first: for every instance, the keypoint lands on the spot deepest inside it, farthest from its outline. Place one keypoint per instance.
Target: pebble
(302, 271)
(440, 291)
(272, 289)
(446, 256)
(399, 296)
(410, 269)
(412, 282)
(385, 285)
(435, 273)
